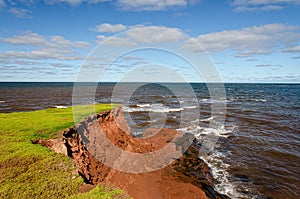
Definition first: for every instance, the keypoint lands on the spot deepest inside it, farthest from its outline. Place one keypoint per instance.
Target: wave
(59, 106)
(219, 170)
(207, 119)
(211, 101)
(249, 99)
(143, 105)
(190, 107)
(215, 159)
(200, 132)
(159, 108)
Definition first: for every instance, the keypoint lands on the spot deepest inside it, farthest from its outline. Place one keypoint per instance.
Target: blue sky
(246, 40)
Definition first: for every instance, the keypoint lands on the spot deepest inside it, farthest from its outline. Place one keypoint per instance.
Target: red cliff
(186, 177)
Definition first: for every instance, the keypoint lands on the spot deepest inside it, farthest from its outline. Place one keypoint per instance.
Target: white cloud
(98, 1)
(29, 38)
(247, 41)
(293, 49)
(60, 42)
(34, 39)
(2, 3)
(127, 5)
(152, 5)
(20, 12)
(264, 5)
(55, 47)
(71, 2)
(41, 54)
(262, 2)
(263, 8)
(106, 27)
(143, 35)
(115, 41)
(154, 34)
(76, 2)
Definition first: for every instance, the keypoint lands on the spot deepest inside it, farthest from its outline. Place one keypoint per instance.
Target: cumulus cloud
(264, 5)
(247, 41)
(60, 42)
(55, 47)
(294, 49)
(106, 27)
(126, 5)
(34, 39)
(152, 5)
(115, 41)
(28, 38)
(155, 34)
(20, 12)
(143, 35)
(42, 54)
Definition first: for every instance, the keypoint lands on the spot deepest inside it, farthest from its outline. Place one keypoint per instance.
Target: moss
(33, 171)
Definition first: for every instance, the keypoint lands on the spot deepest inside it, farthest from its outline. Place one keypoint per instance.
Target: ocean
(258, 151)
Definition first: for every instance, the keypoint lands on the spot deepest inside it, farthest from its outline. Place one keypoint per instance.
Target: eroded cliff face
(186, 177)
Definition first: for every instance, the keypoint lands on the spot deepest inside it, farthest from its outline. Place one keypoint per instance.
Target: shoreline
(186, 177)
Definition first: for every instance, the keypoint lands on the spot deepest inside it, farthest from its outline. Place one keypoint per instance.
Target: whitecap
(159, 108)
(174, 109)
(190, 107)
(219, 170)
(207, 119)
(137, 134)
(60, 106)
(143, 105)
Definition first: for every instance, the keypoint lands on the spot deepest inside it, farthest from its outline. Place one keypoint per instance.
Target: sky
(108, 40)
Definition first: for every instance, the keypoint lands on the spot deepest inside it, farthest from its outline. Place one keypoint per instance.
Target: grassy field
(33, 171)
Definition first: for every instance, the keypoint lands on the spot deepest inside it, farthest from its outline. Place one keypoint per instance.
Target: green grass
(33, 171)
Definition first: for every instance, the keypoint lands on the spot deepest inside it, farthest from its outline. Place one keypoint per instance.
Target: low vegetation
(33, 171)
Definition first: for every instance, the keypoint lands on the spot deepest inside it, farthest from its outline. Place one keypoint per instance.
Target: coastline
(186, 177)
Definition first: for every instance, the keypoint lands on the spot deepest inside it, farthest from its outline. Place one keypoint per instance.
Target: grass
(33, 171)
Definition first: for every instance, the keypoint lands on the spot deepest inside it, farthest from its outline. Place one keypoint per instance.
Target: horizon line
(154, 82)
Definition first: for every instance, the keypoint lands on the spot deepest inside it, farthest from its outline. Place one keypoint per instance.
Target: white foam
(60, 106)
(210, 101)
(1, 102)
(204, 100)
(220, 174)
(190, 107)
(215, 159)
(135, 134)
(260, 100)
(207, 119)
(159, 108)
(175, 109)
(245, 99)
(143, 105)
(199, 131)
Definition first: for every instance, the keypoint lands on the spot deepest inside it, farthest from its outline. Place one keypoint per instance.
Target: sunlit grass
(33, 171)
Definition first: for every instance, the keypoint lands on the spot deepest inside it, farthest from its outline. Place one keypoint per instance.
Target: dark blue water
(258, 151)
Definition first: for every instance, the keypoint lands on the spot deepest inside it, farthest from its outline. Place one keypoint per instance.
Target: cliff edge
(186, 177)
